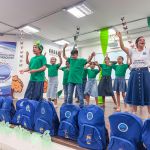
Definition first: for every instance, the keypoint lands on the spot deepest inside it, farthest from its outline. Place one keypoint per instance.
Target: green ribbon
(104, 37)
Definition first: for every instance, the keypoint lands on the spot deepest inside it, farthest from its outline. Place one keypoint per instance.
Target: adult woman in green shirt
(105, 84)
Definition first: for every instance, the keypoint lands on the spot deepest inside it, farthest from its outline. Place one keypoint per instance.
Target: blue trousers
(34, 90)
(79, 88)
(65, 87)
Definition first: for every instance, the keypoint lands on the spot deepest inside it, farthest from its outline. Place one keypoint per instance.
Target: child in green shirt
(76, 74)
(91, 85)
(53, 78)
(105, 84)
(36, 68)
(120, 82)
(65, 80)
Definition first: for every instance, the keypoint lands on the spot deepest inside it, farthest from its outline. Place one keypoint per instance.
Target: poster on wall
(7, 66)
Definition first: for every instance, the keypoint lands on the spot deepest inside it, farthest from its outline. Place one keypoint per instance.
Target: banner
(7, 66)
(104, 37)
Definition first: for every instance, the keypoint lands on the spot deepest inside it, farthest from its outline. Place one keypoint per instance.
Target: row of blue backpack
(38, 116)
(87, 126)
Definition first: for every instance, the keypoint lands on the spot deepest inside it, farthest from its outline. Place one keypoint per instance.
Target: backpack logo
(3, 117)
(89, 115)
(18, 118)
(68, 114)
(41, 130)
(122, 127)
(28, 108)
(88, 139)
(25, 124)
(21, 104)
(42, 110)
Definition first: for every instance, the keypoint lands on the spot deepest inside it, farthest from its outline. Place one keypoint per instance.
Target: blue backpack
(69, 121)
(146, 134)
(25, 115)
(7, 109)
(92, 130)
(19, 111)
(20, 103)
(46, 118)
(126, 132)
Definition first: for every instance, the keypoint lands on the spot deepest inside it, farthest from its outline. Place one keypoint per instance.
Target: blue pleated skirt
(120, 84)
(138, 92)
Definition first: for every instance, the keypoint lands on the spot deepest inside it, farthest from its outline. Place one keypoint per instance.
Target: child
(53, 79)
(105, 84)
(36, 68)
(120, 82)
(138, 93)
(76, 74)
(91, 85)
(65, 81)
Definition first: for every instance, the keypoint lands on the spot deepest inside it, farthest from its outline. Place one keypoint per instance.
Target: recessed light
(29, 29)
(80, 11)
(61, 42)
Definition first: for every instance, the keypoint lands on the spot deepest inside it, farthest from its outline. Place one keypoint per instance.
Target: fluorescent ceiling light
(29, 29)
(80, 11)
(61, 42)
(112, 31)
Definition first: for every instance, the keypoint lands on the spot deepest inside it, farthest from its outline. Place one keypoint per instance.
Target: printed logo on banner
(5, 73)
(7, 66)
(122, 127)
(68, 114)
(89, 115)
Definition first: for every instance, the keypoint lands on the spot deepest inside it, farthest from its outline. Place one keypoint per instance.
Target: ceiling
(55, 23)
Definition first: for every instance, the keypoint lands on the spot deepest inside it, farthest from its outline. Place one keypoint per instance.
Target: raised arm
(125, 49)
(97, 64)
(64, 52)
(86, 66)
(60, 59)
(129, 60)
(27, 58)
(91, 57)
